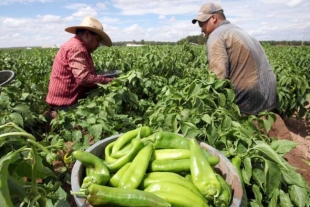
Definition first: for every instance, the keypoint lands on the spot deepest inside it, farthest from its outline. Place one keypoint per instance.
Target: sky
(42, 22)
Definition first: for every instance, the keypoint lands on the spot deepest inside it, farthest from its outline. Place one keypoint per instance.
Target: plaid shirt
(73, 74)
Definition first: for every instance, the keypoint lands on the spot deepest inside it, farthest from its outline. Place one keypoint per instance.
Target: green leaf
(76, 135)
(17, 118)
(285, 200)
(222, 99)
(206, 118)
(283, 146)
(226, 124)
(298, 195)
(273, 178)
(259, 177)
(270, 153)
(24, 169)
(258, 195)
(291, 177)
(16, 187)
(230, 94)
(273, 202)
(247, 172)
(22, 108)
(96, 130)
(91, 120)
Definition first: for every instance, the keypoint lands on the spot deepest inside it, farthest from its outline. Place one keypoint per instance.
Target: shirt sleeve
(83, 69)
(218, 58)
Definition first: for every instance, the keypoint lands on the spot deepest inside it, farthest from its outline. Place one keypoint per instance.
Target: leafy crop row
(167, 88)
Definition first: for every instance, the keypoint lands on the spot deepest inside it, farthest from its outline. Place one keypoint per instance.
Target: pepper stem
(78, 193)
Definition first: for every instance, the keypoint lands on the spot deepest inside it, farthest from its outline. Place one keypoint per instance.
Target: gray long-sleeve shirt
(235, 55)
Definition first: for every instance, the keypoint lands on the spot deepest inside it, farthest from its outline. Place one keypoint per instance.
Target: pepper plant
(27, 178)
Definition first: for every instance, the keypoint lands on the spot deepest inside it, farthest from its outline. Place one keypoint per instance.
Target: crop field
(166, 88)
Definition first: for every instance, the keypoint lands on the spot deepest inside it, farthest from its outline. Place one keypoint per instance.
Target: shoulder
(74, 44)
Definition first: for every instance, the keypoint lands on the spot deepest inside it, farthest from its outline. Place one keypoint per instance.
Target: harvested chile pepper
(125, 138)
(95, 167)
(108, 151)
(236, 161)
(225, 197)
(176, 166)
(167, 140)
(114, 181)
(213, 160)
(136, 171)
(104, 195)
(170, 154)
(121, 152)
(154, 177)
(185, 197)
(136, 146)
(203, 175)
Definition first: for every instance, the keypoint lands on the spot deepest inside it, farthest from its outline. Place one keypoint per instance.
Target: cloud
(14, 23)
(160, 7)
(8, 2)
(85, 11)
(49, 19)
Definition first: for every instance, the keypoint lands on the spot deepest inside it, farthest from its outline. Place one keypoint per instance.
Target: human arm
(83, 69)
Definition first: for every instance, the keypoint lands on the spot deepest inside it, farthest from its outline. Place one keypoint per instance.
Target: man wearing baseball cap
(235, 55)
(73, 73)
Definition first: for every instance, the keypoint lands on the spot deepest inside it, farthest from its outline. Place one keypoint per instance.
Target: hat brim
(201, 18)
(106, 40)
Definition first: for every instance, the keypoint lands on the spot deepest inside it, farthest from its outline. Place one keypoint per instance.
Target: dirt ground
(299, 157)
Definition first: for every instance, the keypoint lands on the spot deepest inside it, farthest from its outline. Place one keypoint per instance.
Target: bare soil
(299, 157)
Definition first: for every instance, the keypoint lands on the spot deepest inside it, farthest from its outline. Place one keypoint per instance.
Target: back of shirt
(235, 55)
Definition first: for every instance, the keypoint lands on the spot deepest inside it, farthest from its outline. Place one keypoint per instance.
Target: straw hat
(92, 24)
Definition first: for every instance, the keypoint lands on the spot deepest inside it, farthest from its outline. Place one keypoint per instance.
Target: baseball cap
(206, 12)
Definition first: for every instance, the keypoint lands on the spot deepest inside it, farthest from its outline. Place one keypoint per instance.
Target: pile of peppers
(146, 168)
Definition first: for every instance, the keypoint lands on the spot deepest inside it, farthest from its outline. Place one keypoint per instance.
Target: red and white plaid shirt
(73, 74)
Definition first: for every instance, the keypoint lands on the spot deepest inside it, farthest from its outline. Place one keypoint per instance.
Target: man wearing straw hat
(73, 73)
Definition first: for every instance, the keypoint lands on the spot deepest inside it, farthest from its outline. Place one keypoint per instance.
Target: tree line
(201, 40)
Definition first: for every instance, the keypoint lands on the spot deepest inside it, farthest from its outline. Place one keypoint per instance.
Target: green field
(164, 87)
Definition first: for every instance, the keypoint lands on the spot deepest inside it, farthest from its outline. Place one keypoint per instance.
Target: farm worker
(73, 72)
(233, 54)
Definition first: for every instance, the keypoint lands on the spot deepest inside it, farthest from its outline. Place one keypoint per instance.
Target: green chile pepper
(154, 177)
(236, 161)
(114, 181)
(121, 152)
(104, 195)
(188, 177)
(125, 138)
(167, 140)
(181, 165)
(191, 200)
(94, 166)
(170, 154)
(213, 160)
(225, 196)
(136, 146)
(203, 175)
(136, 171)
(108, 151)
